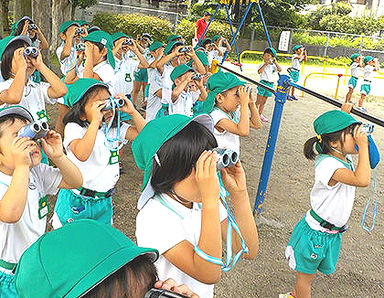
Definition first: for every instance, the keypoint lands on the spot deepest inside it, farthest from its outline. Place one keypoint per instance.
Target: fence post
(361, 43)
(338, 84)
(326, 46)
(252, 38)
(290, 40)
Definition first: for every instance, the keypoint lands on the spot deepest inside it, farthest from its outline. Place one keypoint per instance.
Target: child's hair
(20, 27)
(178, 156)
(325, 141)
(269, 51)
(6, 59)
(132, 280)
(100, 46)
(78, 109)
(11, 118)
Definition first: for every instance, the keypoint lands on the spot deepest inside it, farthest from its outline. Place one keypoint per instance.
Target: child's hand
(52, 145)
(191, 53)
(71, 32)
(178, 49)
(21, 148)
(244, 95)
(347, 107)
(251, 99)
(128, 106)
(234, 178)
(206, 177)
(171, 285)
(360, 137)
(38, 61)
(96, 113)
(21, 63)
(88, 49)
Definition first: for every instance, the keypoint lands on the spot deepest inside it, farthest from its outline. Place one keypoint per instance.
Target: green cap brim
(5, 42)
(17, 110)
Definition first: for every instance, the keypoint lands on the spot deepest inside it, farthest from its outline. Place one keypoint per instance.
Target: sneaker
(264, 119)
(288, 295)
(294, 97)
(361, 109)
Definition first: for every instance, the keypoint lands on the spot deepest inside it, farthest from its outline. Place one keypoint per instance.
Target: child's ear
(219, 98)
(63, 36)
(104, 52)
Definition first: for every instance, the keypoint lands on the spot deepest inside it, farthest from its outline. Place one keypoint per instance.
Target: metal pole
(210, 21)
(252, 39)
(280, 98)
(326, 46)
(264, 25)
(338, 84)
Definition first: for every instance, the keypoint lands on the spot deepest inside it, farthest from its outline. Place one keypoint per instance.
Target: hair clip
(319, 138)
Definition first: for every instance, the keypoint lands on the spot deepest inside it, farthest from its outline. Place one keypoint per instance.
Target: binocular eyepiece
(34, 131)
(226, 158)
(80, 47)
(79, 31)
(31, 52)
(128, 41)
(32, 27)
(367, 128)
(197, 76)
(185, 50)
(119, 102)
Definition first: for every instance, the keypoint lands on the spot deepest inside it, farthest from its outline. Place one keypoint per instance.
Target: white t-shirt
(355, 70)
(332, 203)
(124, 75)
(104, 70)
(153, 101)
(296, 62)
(97, 173)
(270, 73)
(164, 223)
(167, 84)
(34, 97)
(226, 139)
(15, 238)
(184, 103)
(66, 63)
(368, 73)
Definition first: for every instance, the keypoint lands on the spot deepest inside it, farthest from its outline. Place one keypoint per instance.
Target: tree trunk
(41, 15)
(4, 18)
(61, 11)
(22, 8)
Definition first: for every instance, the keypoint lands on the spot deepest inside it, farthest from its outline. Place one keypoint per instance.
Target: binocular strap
(373, 192)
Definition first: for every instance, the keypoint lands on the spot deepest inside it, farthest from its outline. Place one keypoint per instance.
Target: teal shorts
(352, 82)
(7, 286)
(294, 74)
(141, 75)
(198, 107)
(264, 92)
(70, 207)
(365, 89)
(146, 91)
(309, 250)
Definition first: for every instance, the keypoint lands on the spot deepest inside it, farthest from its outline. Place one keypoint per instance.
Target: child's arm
(82, 148)
(362, 175)
(14, 93)
(377, 67)
(165, 59)
(279, 69)
(228, 46)
(241, 128)
(68, 43)
(53, 147)
(43, 41)
(89, 63)
(183, 255)
(13, 202)
(203, 91)
(199, 66)
(254, 120)
(138, 120)
(143, 62)
(361, 62)
(179, 88)
(57, 88)
(235, 182)
(261, 69)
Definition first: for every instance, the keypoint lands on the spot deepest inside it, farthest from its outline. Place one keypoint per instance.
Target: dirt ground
(359, 271)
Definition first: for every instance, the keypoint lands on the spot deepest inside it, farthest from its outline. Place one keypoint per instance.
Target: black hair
(100, 46)
(269, 51)
(6, 59)
(10, 119)
(178, 156)
(325, 140)
(93, 28)
(132, 280)
(77, 111)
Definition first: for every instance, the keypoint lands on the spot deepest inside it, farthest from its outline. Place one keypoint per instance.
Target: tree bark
(22, 8)
(41, 15)
(4, 18)
(61, 11)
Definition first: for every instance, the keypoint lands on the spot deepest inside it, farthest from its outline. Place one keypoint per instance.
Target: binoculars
(32, 27)
(80, 47)
(79, 31)
(226, 158)
(185, 50)
(31, 52)
(367, 128)
(34, 130)
(161, 293)
(128, 41)
(119, 103)
(197, 76)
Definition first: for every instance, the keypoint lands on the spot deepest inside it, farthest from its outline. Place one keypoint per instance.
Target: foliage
(83, 3)
(134, 24)
(337, 9)
(346, 24)
(198, 10)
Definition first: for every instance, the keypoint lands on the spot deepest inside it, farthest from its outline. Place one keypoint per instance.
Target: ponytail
(309, 151)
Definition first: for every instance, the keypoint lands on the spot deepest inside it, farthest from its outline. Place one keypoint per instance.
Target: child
(300, 54)
(24, 185)
(268, 74)
(219, 41)
(87, 142)
(371, 65)
(22, 27)
(180, 210)
(18, 88)
(112, 267)
(228, 103)
(316, 239)
(356, 66)
(186, 90)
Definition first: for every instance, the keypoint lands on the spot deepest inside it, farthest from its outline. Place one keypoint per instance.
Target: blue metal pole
(210, 21)
(236, 48)
(280, 98)
(238, 29)
(264, 25)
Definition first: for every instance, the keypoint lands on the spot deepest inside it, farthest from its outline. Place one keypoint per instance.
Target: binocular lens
(44, 125)
(225, 160)
(234, 158)
(36, 127)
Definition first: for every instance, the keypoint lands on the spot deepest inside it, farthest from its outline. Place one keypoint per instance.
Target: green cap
(6, 41)
(179, 71)
(77, 90)
(367, 59)
(18, 110)
(217, 83)
(70, 261)
(64, 26)
(105, 39)
(170, 46)
(354, 56)
(205, 41)
(296, 47)
(155, 45)
(173, 37)
(152, 137)
(216, 37)
(202, 57)
(82, 22)
(118, 35)
(333, 121)
(274, 53)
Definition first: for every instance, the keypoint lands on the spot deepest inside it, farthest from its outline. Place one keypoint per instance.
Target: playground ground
(359, 271)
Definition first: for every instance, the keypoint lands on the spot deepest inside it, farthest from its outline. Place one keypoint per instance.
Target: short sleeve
(72, 132)
(354, 66)
(223, 212)
(217, 115)
(5, 85)
(49, 178)
(106, 74)
(3, 189)
(158, 227)
(325, 170)
(44, 93)
(260, 66)
(123, 130)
